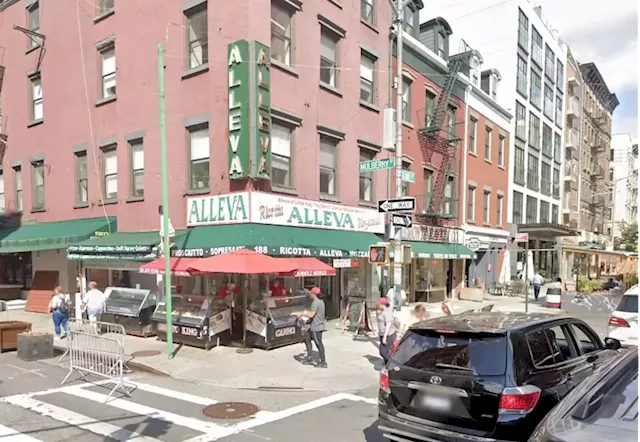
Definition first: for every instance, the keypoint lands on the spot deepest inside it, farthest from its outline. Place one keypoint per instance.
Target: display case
(201, 321)
(271, 322)
(131, 308)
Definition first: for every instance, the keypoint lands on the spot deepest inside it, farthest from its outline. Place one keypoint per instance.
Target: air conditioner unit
(389, 129)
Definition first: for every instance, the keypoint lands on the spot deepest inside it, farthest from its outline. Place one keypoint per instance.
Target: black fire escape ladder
(443, 100)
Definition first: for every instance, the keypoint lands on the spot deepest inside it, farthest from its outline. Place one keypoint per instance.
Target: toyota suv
(484, 376)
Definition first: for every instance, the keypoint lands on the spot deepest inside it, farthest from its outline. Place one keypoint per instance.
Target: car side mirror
(612, 344)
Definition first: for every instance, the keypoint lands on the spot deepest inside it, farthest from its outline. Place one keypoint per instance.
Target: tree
(628, 239)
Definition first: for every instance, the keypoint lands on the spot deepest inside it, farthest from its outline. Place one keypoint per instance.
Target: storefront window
(430, 280)
(17, 269)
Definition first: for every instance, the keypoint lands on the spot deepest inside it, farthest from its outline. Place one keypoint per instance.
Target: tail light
(617, 322)
(519, 400)
(394, 346)
(384, 381)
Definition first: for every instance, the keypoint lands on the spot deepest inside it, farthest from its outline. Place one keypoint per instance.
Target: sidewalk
(352, 362)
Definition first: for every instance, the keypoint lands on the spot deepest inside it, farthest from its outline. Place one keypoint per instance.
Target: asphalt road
(34, 406)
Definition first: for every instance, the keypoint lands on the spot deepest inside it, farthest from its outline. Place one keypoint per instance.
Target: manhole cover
(145, 353)
(230, 410)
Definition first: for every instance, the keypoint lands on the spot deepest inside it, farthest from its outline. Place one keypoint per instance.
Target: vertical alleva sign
(249, 110)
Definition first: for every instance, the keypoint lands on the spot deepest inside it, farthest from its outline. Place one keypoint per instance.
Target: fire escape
(440, 211)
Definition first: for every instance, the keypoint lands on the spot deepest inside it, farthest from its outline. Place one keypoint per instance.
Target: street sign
(370, 166)
(404, 204)
(522, 237)
(400, 220)
(408, 176)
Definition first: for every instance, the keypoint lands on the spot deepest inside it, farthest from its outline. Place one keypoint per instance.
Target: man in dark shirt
(318, 326)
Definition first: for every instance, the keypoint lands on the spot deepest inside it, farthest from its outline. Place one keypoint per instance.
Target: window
(328, 163)
(554, 213)
(559, 114)
(281, 18)
(486, 207)
(546, 179)
(487, 143)
(471, 204)
(523, 30)
(82, 177)
(557, 148)
(585, 340)
(536, 89)
(548, 102)
(2, 200)
(534, 131)
(560, 76)
(367, 86)
(549, 64)
(17, 182)
(517, 208)
(442, 52)
(544, 212)
(430, 108)
(556, 183)
(519, 166)
(409, 22)
(33, 23)
(197, 37)
(406, 99)
(451, 123)
(38, 185)
(521, 121)
(549, 346)
(137, 168)
(449, 207)
(105, 6)
(366, 11)
(281, 148)
(36, 98)
(328, 58)
(473, 137)
(499, 208)
(108, 63)
(110, 173)
(199, 158)
(501, 151)
(428, 189)
(532, 210)
(522, 76)
(547, 140)
(536, 47)
(366, 178)
(532, 173)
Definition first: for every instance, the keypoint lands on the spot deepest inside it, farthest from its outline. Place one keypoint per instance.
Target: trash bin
(553, 298)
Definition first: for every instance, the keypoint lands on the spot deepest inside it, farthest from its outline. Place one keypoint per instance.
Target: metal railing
(97, 348)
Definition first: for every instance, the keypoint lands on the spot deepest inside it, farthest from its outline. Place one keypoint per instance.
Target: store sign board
(232, 208)
(249, 110)
(429, 234)
(269, 250)
(110, 249)
(267, 208)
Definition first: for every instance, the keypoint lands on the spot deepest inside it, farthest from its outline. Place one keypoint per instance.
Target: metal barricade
(97, 348)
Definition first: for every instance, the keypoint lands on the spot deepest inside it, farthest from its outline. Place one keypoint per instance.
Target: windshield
(428, 349)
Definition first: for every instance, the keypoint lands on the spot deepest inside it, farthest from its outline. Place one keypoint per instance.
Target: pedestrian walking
(95, 304)
(386, 328)
(59, 307)
(316, 314)
(418, 313)
(537, 282)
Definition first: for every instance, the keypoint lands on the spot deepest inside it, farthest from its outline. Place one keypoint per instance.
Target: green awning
(436, 250)
(119, 246)
(272, 240)
(53, 235)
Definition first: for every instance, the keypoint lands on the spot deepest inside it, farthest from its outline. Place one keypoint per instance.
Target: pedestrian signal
(378, 254)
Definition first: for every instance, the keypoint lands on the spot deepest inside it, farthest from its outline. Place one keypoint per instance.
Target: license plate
(436, 403)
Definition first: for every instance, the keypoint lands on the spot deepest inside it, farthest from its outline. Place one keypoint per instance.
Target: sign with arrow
(400, 220)
(404, 204)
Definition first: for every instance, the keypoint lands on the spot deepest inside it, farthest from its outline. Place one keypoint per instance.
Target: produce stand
(270, 323)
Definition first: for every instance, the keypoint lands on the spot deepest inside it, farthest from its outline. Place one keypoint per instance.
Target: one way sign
(404, 204)
(400, 220)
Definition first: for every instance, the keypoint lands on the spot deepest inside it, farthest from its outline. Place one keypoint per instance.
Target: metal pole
(397, 256)
(165, 203)
(526, 278)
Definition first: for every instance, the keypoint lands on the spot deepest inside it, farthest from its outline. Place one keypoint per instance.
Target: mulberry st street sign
(249, 110)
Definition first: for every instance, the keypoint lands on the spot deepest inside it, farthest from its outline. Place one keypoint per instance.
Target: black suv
(484, 376)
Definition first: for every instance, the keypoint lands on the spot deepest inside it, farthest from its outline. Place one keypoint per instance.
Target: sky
(599, 32)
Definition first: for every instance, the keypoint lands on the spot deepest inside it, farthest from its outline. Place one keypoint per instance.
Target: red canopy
(242, 261)
(179, 266)
(308, 267)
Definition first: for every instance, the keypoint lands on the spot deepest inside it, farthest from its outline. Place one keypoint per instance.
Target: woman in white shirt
(59, 308)
(95, 301)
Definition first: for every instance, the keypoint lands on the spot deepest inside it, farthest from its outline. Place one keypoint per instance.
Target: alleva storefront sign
(267, 208)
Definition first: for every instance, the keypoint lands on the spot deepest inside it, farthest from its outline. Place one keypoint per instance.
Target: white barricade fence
(97, 348)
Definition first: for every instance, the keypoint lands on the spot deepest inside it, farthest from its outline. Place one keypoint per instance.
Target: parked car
(604, 407)
(623, 324)
(484, 376)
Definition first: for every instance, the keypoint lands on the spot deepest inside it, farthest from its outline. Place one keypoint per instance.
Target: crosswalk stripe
(74, 419)
(132, 407)
(186, 397)
(9, 435)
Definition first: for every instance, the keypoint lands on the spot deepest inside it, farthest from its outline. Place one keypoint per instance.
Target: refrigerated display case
(131, 308)
(200, 321)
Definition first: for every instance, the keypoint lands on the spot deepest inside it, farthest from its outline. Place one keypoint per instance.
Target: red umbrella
(308, 267)
(179, 266)
(242, 261)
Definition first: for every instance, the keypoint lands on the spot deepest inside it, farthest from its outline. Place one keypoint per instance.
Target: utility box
(35, 346)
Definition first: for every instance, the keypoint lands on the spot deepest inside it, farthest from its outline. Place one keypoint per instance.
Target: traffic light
(379, 254)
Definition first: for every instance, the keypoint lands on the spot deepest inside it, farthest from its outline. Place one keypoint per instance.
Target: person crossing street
(316, 314)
